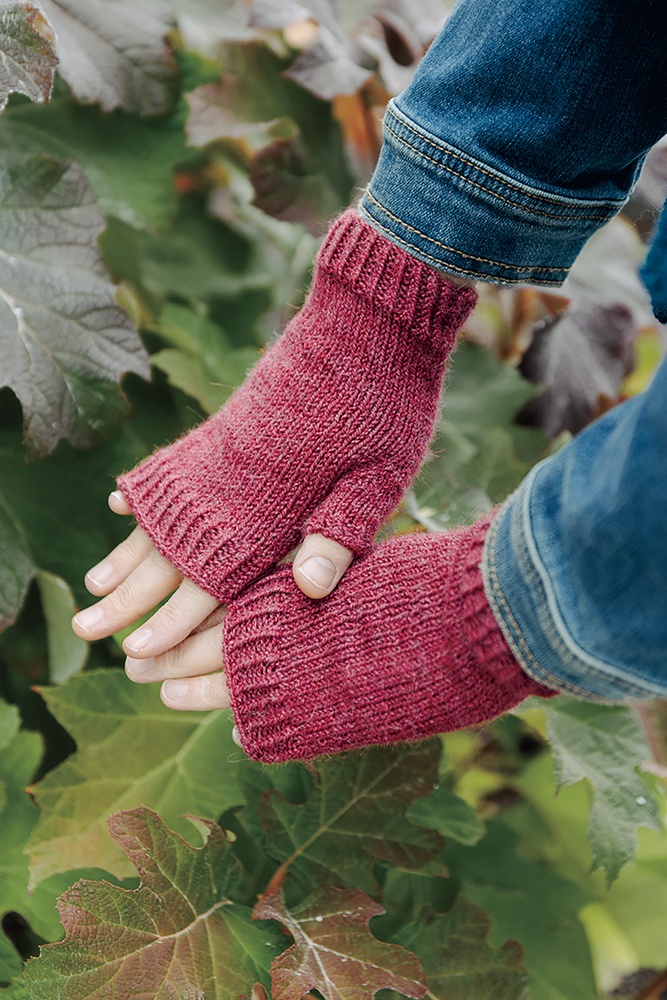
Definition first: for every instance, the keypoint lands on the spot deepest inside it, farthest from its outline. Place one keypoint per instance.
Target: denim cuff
(525, 604)
(463, 216)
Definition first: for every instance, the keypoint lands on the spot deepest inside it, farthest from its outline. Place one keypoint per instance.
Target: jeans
(522, 132)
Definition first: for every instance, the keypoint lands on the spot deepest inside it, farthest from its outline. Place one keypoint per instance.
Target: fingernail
(236, 737)
(319, 571)
(101, 574)
(140, 666)
(88, 619)
(174, 690)
(138, 640)
(117, 496)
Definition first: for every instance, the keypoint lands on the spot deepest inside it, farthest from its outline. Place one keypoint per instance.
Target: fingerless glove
(326, 433)
(407, 646)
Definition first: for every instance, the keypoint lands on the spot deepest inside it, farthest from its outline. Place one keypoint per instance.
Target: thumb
(319, 565)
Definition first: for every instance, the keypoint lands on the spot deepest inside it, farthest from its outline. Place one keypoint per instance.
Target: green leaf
(333, 836)
(108, 148)
(334, 951)
(27, 59)
(459, 962)
(132, 750)
(67, 653)
(179, 933)
(20, 755)
(449, 814)
(113, 53)
(605, 744)
(16, 568)
(529, 904)
(479, 455)
(63, 340)
(204, 365)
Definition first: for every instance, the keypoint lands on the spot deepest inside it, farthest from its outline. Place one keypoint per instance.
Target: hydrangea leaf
(20, 755)
(458, 961)
(27, 58)
(113, 52)
(332, 838)
(16, 568)
(527, 902)
(334, 950)
(67, 653)
(64, 343)
(108, 148)
(132, 750)
(178, 934)
(449, 814)
(605, 744)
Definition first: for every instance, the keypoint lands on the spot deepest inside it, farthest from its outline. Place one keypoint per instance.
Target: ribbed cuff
(266, 716)
(482, 631)
(376, 269)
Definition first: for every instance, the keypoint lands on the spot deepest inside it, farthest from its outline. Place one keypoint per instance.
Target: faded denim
(522, 132)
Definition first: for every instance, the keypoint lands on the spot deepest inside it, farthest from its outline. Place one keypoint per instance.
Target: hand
(183, 638)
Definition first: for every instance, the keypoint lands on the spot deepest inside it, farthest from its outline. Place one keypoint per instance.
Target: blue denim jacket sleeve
(521, 133)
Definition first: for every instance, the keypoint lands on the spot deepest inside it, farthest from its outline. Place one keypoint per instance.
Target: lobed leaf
(605, 744)
(67, 653)
(113, 52)
(131, 750)
(64, 343)
(449, 814)
(16, 568)
(332, 838)
(20, 755)
(528, 903)
(458, 960)
(27, 57)
(334, 950)
(109, 148)
(178, 934)
(580, 360)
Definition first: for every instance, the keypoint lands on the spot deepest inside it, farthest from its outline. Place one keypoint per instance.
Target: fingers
(173, 623)
(196, 694)
(118, 503)
(146, 586)
(319, 565)
(199, 654)
(106, 575)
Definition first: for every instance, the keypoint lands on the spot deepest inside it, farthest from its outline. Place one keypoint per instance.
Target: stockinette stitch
(326, 433)
(406, 647)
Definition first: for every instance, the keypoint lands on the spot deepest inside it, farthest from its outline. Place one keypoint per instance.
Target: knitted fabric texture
(328, 430)
(406, 647)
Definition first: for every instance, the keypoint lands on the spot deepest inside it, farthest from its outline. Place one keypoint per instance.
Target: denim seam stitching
(530, 210)
(614, 206)
(516, 639)
(511, 630)
(594, 664)
(439, 262)
(481, 260)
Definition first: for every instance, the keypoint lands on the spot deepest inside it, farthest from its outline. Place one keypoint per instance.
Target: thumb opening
(319, 565)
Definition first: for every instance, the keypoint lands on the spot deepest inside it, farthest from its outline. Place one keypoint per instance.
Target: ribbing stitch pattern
(406, 647)
(328, 430)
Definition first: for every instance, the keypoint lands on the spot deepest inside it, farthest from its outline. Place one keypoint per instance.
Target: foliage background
(176, 182)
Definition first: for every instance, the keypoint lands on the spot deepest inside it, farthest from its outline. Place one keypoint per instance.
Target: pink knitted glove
(406, 647)
(326, 433)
